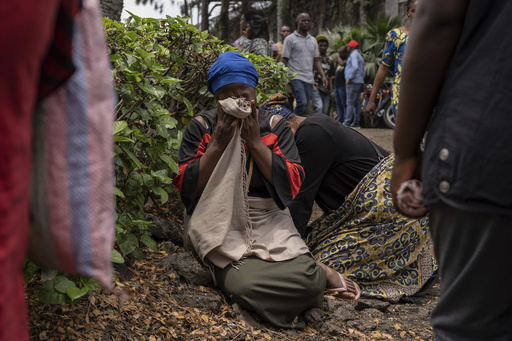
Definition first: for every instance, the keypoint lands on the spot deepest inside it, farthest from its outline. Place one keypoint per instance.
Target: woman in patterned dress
(396, 41)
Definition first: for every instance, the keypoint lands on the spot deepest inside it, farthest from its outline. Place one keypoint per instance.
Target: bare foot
(334, 282)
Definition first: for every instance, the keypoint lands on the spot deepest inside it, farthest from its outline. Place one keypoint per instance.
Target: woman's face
(412, 10)
(236, 90)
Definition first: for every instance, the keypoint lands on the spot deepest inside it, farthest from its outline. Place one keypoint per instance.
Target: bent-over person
(361, 235)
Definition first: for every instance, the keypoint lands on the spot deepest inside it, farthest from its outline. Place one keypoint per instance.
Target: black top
(335, 158)
(468, 158)
(287, 173)
(339, 78)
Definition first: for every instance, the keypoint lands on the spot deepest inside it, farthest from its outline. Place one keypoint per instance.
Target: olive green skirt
(277, 291)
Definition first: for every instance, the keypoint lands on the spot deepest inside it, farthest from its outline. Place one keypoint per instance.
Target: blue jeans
(302, 93)
(340, 95)
(321, 102)
(353, 114)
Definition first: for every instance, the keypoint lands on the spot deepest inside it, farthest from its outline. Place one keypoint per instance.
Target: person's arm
(315, 151)
(224, 131)
(285, 55)
(436, 28)
(377, 83)
(287, 173)
(320, 70)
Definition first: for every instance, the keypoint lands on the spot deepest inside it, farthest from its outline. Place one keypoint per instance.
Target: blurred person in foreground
(40, 65)
(467, 163)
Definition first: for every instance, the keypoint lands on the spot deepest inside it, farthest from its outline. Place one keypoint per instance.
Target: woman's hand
(251, 127)
(225, 129)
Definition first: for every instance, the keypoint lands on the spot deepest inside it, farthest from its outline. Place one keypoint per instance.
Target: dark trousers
(474, 252)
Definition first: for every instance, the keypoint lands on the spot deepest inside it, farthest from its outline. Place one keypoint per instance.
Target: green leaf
(116, 257)
(48, 294)
(137, 253)
(141, 222)
(115, 57)
(164, 197)
(136, 18)
(127, 93)
(29, 269)
(133, 157)
(118, 192)
(62, 284)
(173, 165)
(127, 243)
(75, 293)
(118, 138)
(148, 241)
(119, 126)
(90, 283)
(142, 53)
(167, 80)
(156, 91)
(189, 106)
(48, 274)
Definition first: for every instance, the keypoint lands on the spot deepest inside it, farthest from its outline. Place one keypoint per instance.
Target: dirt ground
(162, 303)
(382, 137)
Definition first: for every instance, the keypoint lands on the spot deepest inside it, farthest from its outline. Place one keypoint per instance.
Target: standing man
(340, 91)
(300, 54)
(285, 32)
(354, 75)
(467, 161)
(322, 95)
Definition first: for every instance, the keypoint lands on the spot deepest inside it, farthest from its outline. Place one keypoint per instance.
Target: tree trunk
(224, 20)
(112, 9)
(279, 19)
(362, 12)
(204, 15)
(185, 8)
(321, 15)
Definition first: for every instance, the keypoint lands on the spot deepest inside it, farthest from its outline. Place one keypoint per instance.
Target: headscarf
(258, 25)
(229, 68)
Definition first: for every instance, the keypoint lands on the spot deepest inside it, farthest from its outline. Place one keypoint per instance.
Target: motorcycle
(383, 114)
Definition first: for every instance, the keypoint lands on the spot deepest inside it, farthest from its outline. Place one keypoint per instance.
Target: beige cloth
(227, 225)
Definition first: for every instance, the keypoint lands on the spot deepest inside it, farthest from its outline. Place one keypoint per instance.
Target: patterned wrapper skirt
(365, 239)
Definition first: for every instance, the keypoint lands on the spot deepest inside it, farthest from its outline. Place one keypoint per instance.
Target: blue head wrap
(231, 67)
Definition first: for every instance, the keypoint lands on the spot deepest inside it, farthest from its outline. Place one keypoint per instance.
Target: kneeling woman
(239, 170)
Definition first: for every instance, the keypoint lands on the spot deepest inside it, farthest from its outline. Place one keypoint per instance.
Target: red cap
(353, 43)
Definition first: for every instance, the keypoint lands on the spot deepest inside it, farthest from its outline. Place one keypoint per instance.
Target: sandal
(345, 289)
